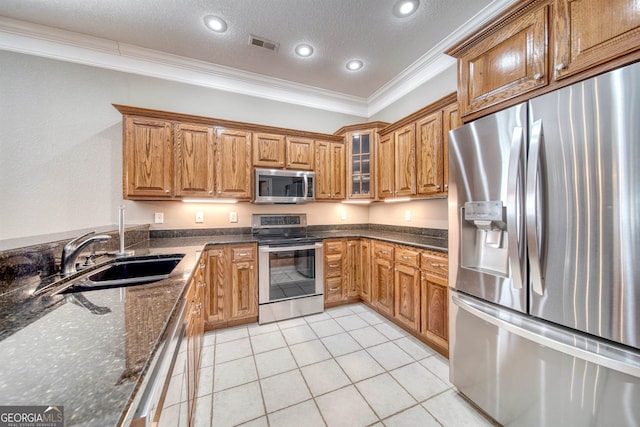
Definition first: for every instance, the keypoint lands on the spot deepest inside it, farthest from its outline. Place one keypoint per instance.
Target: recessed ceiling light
(304, 50)
(215, 23)
(405, 8)
(354, 65)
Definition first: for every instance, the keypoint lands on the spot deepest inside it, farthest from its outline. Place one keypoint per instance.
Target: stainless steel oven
(290, 268)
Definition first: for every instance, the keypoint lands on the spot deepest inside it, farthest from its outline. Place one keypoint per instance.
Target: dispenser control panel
(483, 211)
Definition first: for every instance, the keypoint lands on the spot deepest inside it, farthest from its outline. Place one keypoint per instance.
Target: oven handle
(289, 248)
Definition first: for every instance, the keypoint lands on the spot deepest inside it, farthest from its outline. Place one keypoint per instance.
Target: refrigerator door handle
(532, 213)
(514, 205)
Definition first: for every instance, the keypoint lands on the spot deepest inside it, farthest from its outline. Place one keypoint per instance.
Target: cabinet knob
(561, 66)
(446, 186)
(166, 191)
(538, 76)
(211, 192)
(438, 187)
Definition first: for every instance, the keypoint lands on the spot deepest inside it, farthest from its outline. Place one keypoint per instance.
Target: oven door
(289, 272)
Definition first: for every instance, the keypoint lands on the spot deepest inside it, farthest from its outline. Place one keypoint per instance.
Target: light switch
(407, 215)
(343, 215)
(199, 217)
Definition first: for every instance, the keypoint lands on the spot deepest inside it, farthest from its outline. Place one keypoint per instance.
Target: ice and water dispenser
(484, 242)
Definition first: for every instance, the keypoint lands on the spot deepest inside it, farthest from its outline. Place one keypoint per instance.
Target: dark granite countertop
(89, 351)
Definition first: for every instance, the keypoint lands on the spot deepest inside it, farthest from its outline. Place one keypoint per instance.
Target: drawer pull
(436, 265)
(384, 252)
(243, 254)
(333, 289)
(405, 257)
(334, 265)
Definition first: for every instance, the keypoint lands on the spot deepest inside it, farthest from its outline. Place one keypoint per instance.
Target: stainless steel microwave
(284, 186)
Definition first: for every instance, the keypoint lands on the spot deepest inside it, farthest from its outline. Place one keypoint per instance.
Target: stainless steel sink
(129, 272)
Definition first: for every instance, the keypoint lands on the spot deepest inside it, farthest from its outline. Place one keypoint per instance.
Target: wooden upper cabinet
(385, 172)
(194, 160)
(429, 175)
(360, 149)
(505, 63)
(148, 158)
(405, 161)
(233, 163)
(329, 170)
(450, 120)
(300, 153)
(268, 150)
(590, 32)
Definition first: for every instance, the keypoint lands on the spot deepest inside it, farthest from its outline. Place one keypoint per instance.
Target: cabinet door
(244, 290)
(148, 158)
(590, 32)
(435, 323)
(194, 160)
(450, 120)
(300, 153)
(323, 171)
(337, 170)
(405, 161)
(214, 307)
(268, 150)
(429, 157)
(365, 269)
(233, 164)
(382, 292)
(407, 295)
(353, 268)
(385, 171)
(508, 63)
(360, 164)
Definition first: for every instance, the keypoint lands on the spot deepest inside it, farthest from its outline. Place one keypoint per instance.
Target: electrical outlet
(233, 216)
(343, 215)
(407, 215)
(199, 217)
(158, 218)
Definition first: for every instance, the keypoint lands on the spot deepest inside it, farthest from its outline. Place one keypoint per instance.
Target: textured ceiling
(337, 29)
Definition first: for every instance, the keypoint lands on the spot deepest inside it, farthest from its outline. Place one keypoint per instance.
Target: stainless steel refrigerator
(544, 248)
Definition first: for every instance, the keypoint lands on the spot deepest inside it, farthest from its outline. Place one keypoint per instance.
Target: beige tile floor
(348, 366)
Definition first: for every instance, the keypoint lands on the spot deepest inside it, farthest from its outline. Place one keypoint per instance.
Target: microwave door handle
(306, 185)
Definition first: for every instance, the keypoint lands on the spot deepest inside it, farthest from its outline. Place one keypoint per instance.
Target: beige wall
(61, 148)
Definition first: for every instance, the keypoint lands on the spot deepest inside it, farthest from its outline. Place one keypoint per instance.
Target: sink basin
(128, 272)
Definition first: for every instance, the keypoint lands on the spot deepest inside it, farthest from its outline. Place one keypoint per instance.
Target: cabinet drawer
(383, 250)
(333, 266)
(333, 289)
(407, 256)
(243, 253)
(435, 263)
(333, 246)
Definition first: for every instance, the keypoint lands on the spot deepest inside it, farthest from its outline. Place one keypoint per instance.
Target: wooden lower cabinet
(365, 269)
(435, 299)
(195, 338)
(382, 277)
(231, 285)
(407, 287)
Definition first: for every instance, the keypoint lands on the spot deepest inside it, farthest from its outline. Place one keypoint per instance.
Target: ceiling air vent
(263, 43)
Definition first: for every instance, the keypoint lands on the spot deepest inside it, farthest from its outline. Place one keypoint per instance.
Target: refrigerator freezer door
(486, 198)
(583, 206)
(525, 372)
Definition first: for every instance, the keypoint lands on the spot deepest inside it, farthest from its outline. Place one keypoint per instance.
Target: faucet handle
(72, 242)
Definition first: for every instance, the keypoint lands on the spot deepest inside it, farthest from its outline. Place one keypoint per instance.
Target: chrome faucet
(72, 249)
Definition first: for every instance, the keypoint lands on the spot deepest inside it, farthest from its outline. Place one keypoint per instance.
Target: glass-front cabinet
(360, 141)
(360, 179)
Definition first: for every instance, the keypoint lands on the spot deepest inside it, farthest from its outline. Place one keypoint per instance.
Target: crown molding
(48, 42)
